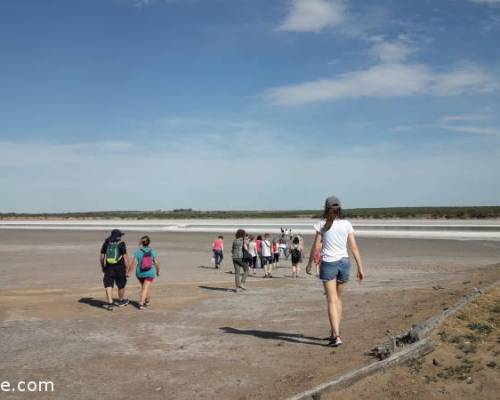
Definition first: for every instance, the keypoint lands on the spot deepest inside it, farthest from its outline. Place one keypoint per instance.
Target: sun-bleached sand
(199, 339)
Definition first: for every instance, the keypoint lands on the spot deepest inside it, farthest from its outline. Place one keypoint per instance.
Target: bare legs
(295, 270)
(145, 285)
(239, 263)
(109, 295)
(268, 268)
(334, 296)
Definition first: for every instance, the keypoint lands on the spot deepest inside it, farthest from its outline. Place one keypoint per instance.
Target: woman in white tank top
(333, 235)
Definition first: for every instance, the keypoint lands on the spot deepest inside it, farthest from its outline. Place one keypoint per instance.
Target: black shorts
(276, 257)
(265, 260)
(114, 274)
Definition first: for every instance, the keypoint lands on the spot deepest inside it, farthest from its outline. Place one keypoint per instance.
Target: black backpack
(246, 255)
(295, 253)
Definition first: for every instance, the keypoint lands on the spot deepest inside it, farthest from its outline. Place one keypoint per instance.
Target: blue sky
(248, 104)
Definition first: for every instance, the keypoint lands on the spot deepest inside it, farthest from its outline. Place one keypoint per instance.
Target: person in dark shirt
(115, 266)
(238, 250)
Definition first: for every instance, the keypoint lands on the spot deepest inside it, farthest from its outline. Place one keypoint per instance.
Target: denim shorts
(335, 270)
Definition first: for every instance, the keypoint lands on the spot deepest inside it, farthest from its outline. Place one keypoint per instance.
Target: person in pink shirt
(218, 251)
(258, 247)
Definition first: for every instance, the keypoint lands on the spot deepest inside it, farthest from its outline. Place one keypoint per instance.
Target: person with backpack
(114, 264)
(267, 256)
(218, 251)
(296, 251)
(247, 256)
(147, 267)
(333, 235)
(238, 250)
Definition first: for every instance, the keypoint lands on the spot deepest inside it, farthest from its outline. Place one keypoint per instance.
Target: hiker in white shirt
(333, 234)
(267, 256)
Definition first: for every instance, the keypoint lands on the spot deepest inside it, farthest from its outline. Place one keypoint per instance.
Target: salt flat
(414, 228)
(199, 339)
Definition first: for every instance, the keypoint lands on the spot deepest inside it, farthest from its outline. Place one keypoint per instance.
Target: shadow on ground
(207, 267)
(93, 302)
(281, 336)
(219, 289)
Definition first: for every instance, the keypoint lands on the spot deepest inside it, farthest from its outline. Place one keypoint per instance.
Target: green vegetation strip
(482, 212)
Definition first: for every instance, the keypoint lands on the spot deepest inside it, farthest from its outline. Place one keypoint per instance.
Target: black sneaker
(108, 306)
(122, 303)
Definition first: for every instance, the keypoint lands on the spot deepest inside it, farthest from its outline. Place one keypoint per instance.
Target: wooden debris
(413, 351)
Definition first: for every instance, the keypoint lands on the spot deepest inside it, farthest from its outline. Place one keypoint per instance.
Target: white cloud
(472, 123)
(475, 130)
(465, 78)
(390, 76)
(313, 15)
(467, 117)
(486, 1)
(391, 51)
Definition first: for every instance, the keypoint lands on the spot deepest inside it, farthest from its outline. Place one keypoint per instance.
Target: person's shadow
(280, 336)
(92, 302)
(205, 267)
(219, 289)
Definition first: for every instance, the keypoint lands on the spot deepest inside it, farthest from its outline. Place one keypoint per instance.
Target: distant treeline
(188, 213)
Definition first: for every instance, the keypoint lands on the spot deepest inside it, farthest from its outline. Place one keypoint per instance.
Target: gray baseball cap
(332, 201)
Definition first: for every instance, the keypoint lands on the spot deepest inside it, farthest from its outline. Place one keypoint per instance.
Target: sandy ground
(199, 339)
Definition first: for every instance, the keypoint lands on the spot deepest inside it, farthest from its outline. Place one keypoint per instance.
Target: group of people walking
(264, 251)
(334, 236)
